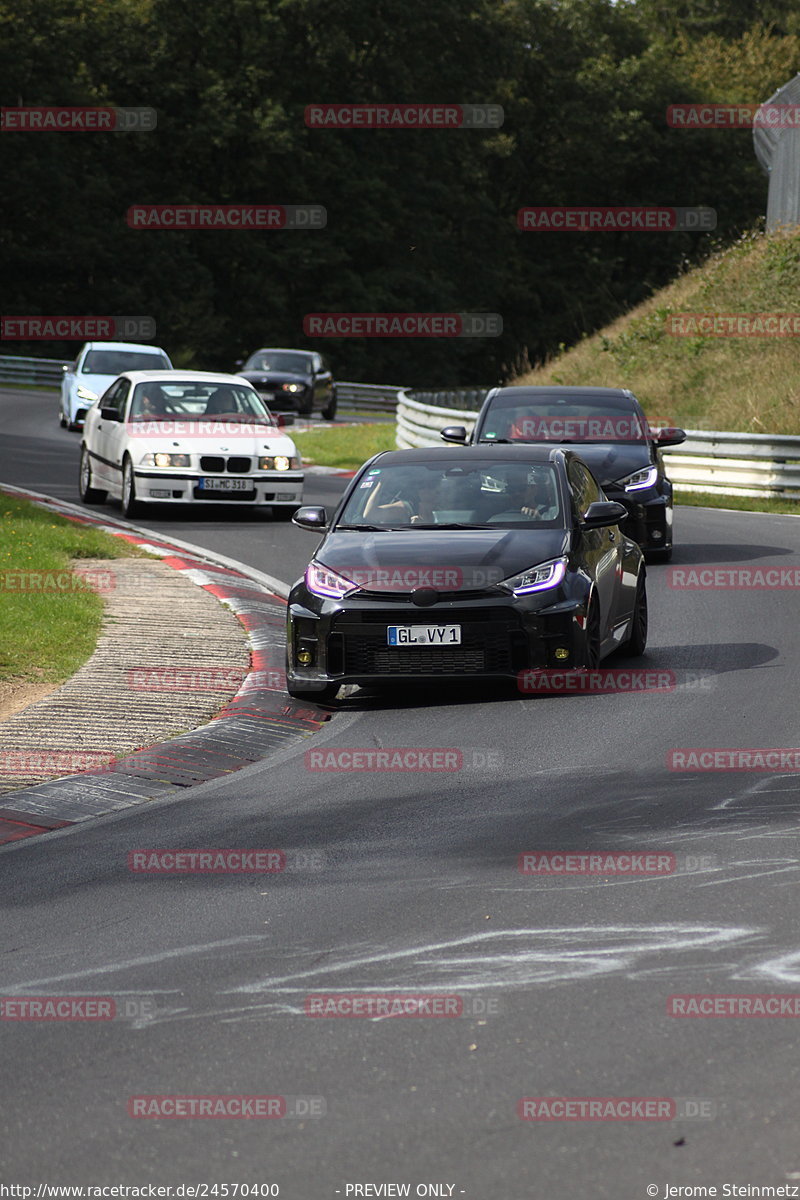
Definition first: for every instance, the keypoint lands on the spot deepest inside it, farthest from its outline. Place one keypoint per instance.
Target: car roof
(523, 390)
(279, 350)
(517, 452)
(139, 347)
(176, 376)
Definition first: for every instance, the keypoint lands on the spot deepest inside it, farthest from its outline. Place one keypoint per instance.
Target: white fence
(729, 464)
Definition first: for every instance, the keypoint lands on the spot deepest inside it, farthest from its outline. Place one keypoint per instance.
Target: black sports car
(458, 563)
(298, 381)
(609, 430)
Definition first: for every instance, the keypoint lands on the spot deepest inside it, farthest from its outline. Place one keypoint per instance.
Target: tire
(131, 507)
(283, 512)
(88, 494)
(62, 420)
(324, 695)
(329, 411)
(591, 651)
(637, 641)
(662, 555)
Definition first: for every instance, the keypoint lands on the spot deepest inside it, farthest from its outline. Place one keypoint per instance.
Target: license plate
(225, 485)
(424, 635)
(267, 395)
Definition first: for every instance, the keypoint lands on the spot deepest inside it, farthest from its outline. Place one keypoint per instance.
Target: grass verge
(347, 447)
(46, 635)
(740, 503)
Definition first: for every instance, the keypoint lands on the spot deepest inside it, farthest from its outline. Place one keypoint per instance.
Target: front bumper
(649, 519)
(501, 636)
(278, 489)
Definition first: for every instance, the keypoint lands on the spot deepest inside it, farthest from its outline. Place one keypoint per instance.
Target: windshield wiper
(451, 525)
(374, 528)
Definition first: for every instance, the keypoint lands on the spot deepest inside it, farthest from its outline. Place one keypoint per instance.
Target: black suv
(608, 428)
(297, 381)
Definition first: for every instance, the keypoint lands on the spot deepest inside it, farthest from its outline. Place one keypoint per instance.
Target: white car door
(106, 434)
(115, 435)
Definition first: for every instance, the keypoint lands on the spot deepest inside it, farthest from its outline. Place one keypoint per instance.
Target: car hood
(270, 377)
(609, 461)
(96, 383)
(180, 438)
(483, 556)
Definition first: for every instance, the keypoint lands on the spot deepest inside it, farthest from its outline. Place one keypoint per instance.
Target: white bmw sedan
(187, 437)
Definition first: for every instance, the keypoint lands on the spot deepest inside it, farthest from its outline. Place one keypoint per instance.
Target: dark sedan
(464, 563)
(298, 381)
(609, 430)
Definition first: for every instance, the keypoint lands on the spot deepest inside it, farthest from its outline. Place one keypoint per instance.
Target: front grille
(486, 648)
(234, 465)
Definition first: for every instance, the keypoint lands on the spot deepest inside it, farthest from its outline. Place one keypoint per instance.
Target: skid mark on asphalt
(511, 958)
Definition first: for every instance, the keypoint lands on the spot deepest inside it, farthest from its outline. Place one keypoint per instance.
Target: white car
(187, 437)
(97, 366)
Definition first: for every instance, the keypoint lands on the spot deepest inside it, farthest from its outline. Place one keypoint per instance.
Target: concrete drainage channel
(257, 723)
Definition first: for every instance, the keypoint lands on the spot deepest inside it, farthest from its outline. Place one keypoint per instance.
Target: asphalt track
(407, 883)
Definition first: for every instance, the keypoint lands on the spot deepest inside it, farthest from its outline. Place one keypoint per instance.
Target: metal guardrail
(728, 464)
(45, 372)
(48, 372)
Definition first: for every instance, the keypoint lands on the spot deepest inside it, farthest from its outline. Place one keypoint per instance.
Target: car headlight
(538, 579)
(165, 460)
(322, 581)
(639, 480)
(84, 393)
(279, 462)
(292, 387)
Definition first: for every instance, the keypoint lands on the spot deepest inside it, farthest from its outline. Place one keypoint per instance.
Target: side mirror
(602, 513)
(311, 517)
(669, 437)
(284, 419)
(454, 433)
(110, 414)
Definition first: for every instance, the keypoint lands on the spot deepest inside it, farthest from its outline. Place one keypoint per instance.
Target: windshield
(484, 494)
(114, 362)
(556, 418)
(279, 360)
(188, 399)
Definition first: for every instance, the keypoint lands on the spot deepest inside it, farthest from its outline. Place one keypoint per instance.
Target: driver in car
(412, 504)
